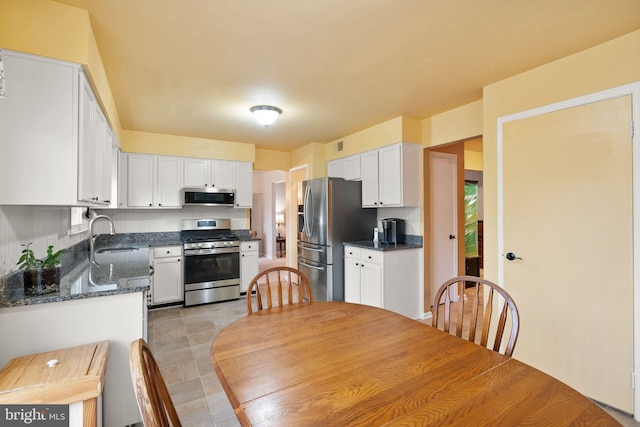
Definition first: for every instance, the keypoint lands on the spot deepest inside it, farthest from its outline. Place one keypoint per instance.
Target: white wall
(42, 225)
(262, 184)
(155, 220)
(46, 225)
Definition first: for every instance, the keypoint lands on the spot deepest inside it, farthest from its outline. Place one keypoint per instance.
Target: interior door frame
(632, 89)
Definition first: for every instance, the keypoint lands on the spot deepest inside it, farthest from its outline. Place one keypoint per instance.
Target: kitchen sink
(117, 250)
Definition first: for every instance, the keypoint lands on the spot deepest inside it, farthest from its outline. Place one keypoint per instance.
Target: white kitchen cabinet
(363, 276)
(385, 279)
(335, 168)
(166, 280)
(244, 185)
(352, 168)
(52, 134)
(94, 148)
(152, 181)
(209, 173)
(249, 253)
(391, 176)
(346, 167)
(369, 168)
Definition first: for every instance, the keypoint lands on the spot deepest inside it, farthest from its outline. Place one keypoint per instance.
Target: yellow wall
(171, 145)
(271, 160)
(400, 129)
(454, 125)
(608, 65)
(312, 155)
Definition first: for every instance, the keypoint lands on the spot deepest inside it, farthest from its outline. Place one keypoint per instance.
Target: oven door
(207, 270)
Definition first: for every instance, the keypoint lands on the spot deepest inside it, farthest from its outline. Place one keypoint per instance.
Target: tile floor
(181, 338)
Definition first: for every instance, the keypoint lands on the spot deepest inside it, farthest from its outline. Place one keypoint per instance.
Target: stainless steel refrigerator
(329, 213)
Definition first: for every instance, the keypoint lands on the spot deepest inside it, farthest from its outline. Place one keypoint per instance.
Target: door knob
(511, 256)
(451, 237)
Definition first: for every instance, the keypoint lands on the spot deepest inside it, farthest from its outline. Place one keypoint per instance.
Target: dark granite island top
(113, 273)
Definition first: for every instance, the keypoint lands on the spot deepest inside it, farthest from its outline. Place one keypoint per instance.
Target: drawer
(167, 251)
(352, 252)
(249, 246)
(371, 256)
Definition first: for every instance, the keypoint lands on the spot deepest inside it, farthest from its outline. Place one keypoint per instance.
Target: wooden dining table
(341, 364)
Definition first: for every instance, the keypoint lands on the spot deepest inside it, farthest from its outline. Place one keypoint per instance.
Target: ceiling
(335, 67)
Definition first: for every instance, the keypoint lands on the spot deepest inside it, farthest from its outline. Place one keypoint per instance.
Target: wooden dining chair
(151, 392)
(465, 304)
(278, 286)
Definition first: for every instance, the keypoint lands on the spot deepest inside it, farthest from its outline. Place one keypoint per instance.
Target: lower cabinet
(166, 280)
(385, 279)
(249, 253)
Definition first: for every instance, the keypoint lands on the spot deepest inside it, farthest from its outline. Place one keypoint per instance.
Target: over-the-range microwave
(208, 196)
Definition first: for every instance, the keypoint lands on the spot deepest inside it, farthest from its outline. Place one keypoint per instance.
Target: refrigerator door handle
(307, 210)
(311, 266)
(302, 246)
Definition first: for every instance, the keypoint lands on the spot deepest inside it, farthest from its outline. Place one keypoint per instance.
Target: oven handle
(194, 252)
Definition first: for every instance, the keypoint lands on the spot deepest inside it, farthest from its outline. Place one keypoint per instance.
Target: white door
(444, 219)
(567, 228)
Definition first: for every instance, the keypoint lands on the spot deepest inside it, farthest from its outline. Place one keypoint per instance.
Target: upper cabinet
(156, 181)
(346, 167)
(244, 185)
(94, 149)
(152, 181)
(209, 173)
(391, 176)
(54, 138)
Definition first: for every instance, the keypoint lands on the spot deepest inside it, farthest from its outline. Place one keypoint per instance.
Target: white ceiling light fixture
(265, 114)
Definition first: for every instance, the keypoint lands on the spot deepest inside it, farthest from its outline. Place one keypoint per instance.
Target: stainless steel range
(211, 261)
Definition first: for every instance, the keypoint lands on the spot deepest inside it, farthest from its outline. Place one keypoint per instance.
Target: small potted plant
(40, 276)
(51, 270)
(31, 267)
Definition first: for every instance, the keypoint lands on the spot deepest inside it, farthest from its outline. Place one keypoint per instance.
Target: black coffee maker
(393, 231)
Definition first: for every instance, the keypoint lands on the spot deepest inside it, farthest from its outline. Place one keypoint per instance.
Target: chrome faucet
(92, 240)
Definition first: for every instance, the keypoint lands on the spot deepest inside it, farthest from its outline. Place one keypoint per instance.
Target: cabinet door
(102, 157)
(335, 168)
(196, 172)
(352, 272)
(166, 282)
(39, 132)
(86, 145)
(123, 180)
(369, 173)
(248, 264)
(244, 185)
(223, 174)
(371, 284)
(352, 168)
(390, 175)
(94, 149)
(140, 180)
(169, 181)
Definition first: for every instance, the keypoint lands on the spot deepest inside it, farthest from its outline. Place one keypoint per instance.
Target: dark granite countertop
(114, 274)
(369, 244)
